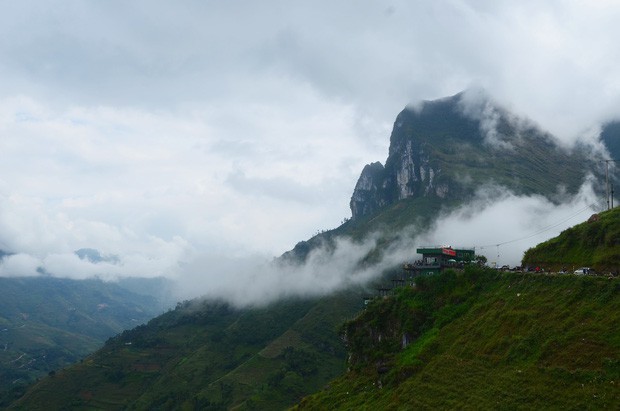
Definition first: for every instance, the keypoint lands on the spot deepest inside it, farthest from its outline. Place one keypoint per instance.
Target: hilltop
(594, 243)
(483, 339)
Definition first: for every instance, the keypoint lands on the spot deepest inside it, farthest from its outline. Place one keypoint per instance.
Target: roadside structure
(436, 259)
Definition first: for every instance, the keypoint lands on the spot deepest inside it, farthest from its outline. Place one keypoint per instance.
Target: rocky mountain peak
(445, 149)
(368, 193)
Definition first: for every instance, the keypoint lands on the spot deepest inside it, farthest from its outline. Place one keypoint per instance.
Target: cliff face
(368, 195)
(411, 169)
(446, 149)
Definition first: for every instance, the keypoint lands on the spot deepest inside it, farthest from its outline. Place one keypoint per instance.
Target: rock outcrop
(410, 170)
(444, 150)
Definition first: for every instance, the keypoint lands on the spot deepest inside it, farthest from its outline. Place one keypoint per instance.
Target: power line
(542, 230)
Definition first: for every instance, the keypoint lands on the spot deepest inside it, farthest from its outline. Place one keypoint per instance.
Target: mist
(497, 224)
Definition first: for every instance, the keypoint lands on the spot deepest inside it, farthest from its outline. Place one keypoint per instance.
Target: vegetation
(594, 244)
(48, 323)
(484, 340)
(517, 156)
(209, 355)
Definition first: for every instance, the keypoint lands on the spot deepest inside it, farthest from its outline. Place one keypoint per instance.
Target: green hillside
(209, 355)
(484, 340)
(48, 323)
(594, 244)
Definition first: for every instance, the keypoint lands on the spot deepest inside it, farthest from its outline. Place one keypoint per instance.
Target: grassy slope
(209, 356)
(47, 323)
(591, 244)
(485, 340)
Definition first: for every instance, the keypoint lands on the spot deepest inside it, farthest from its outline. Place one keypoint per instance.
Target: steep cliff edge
(446, 149)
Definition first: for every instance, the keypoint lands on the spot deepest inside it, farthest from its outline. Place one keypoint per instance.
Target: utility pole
(607, 183)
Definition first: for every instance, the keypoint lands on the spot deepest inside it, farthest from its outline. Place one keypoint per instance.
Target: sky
(164, 134)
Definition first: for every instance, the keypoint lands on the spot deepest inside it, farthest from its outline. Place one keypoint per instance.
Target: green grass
(48, 323)
(485, 340)
(591, 244)
(209, 355)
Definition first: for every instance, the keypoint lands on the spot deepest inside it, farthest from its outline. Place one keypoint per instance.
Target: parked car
(582, 271)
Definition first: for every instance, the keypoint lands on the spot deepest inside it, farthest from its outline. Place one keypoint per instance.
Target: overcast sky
(155, 130)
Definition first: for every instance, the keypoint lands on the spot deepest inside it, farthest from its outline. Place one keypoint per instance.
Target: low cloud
(19, 265)
(476, 104)
(502, 226)
(255, 280)
(497, 223)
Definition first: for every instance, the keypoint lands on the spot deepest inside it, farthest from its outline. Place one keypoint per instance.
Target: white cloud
(252, 280)
(502, 225)
(497, 224)
(19, 265)
(155, 130)
(150, 187)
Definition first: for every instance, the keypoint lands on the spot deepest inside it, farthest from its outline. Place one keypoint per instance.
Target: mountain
(207, 354)
(48, 323)
(594, 244)
(446, 149)
(483, 339)
(443, 152)
(610, 136)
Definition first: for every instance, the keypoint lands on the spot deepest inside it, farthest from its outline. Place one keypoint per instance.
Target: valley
(49, 323)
